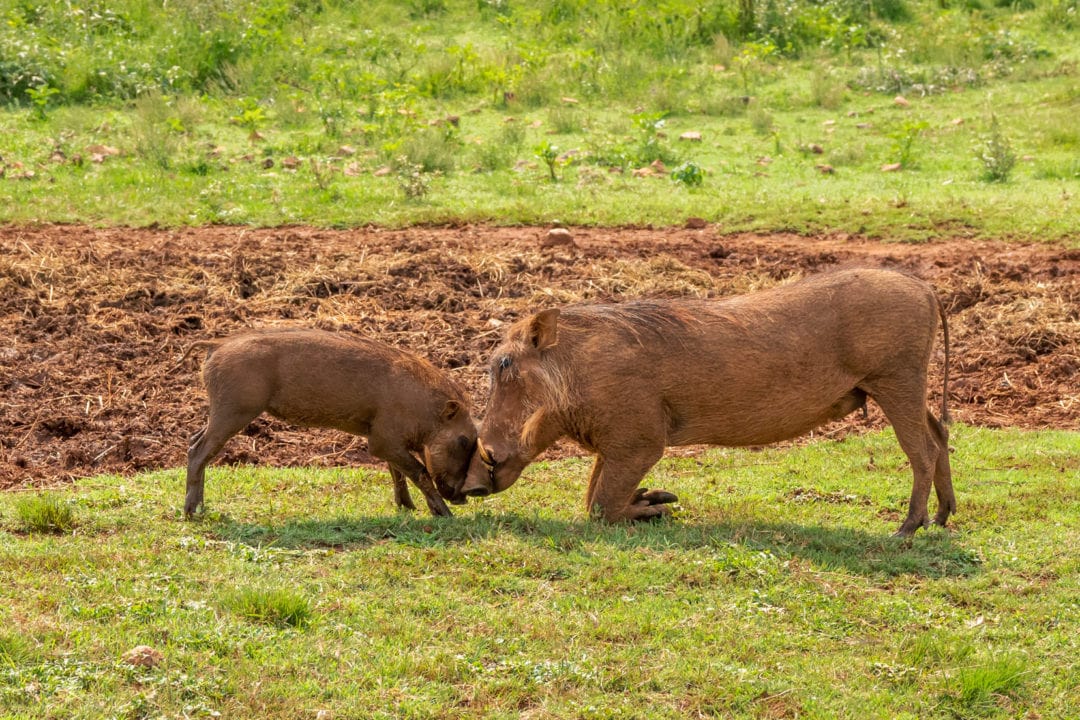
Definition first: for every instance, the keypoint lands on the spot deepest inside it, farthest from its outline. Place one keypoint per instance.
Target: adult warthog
(627, 380)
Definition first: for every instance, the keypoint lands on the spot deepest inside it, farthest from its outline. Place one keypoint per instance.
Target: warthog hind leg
(205, 445)
(943, 486)
(902, 404)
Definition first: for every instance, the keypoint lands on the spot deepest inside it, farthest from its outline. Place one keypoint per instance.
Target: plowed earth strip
(94, 321)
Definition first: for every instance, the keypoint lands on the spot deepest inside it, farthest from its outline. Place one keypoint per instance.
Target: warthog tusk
(485, 456)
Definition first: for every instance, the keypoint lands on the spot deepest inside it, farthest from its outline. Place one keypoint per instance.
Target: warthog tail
(945, 417)
(210, 345)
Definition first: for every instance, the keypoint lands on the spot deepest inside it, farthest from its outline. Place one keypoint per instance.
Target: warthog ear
(451, 410)
(543, 329)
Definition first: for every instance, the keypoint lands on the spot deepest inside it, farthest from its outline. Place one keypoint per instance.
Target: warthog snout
(477, 491)
(480, 480)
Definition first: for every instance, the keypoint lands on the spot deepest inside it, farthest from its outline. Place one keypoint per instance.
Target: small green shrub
(250, 115)
(45, 513)
(994, 152)
(904, 140)
(549, 154)
(689, 174)
(412, 179)
(156, 130)
(651, 146)
(41, 97)
(277, 607)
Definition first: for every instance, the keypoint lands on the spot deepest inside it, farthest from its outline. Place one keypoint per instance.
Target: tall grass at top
(325, 49)
(212, 97)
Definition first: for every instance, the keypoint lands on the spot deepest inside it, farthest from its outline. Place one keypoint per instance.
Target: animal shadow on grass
(932, 553)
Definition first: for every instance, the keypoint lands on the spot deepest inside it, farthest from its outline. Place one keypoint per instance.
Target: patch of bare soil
(94, 321)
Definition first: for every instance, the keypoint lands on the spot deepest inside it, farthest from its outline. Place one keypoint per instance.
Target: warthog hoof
(192, 506)
(911, 525)
(651, 512)
(653, 497)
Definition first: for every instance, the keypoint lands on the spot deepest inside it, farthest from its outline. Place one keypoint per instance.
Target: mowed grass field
(777, 592)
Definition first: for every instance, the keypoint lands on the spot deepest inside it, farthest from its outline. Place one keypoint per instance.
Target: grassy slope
(324, 80)
(777, 593)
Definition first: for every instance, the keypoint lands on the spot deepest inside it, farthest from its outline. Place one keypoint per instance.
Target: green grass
(278, 606)
(46, 513)
(776, 592)
(209, 104)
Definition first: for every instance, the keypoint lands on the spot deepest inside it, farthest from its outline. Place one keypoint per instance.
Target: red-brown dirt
(94, 321)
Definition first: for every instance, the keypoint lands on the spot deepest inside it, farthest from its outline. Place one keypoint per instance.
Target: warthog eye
(464, 443)
(505, 361)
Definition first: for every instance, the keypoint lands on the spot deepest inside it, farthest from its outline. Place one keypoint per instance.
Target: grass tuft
(45, 513)
(278, 607)
(14, 651)
(982, 687)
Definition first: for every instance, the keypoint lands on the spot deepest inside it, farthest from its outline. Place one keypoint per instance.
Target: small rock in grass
(558, 237)
(143, 656)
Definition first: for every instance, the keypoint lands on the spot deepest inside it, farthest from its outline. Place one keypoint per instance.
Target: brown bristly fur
(627, 380)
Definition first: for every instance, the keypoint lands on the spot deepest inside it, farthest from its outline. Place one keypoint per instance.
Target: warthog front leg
(402, 499)
(400, 458)
(613, 492)
(654, 497)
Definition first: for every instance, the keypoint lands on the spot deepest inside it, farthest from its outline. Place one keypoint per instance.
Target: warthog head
(448, 451)
(526, 388)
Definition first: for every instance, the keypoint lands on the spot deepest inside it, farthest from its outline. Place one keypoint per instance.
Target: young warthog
(404, 405)
(628, 380)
